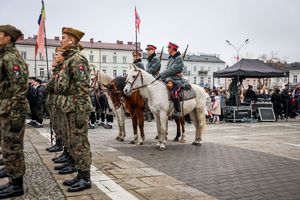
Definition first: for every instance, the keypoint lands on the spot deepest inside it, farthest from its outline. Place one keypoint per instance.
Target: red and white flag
(137, 20)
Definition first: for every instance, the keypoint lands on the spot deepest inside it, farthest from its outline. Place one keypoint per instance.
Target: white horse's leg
(193, 116)
(121, 124)
(202, 123)
(158, 125)
(163, 129)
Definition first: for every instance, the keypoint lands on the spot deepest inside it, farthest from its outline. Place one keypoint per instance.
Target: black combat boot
(57, 147)
(13, 189)
(70, 168)
(74, 180)
(59, 167)
(64, 153)
(83, 183)
(64, 158)
(3, 172)
(54, 146)
(177, 107)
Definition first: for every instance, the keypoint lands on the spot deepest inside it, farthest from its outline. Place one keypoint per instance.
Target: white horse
(161, 106)
(102, 80)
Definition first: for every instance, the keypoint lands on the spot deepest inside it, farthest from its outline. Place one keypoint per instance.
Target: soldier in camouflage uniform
(51, 101)
(74, 86)
(13, 107)
(137, 59)
(173, 73)
(153, 65)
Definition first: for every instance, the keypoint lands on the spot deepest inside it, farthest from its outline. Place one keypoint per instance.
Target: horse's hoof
(132, 142)
(117, 138)
(121, 139)
(161, 148)
(195, 143)
(166, 138)
(156, 137)
(140, 143)
(175, 140)
(182, 141)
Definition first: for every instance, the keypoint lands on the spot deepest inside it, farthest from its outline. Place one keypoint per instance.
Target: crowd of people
(286, 102)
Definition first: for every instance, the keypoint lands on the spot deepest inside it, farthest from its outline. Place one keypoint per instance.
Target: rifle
(184, 54)
(161, 53)
(51, 133)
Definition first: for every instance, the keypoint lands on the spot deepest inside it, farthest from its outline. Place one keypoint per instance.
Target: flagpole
(48, 74)
(35, 65)
(136, 44)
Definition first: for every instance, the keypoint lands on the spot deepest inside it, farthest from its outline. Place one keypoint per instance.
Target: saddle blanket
(184, 94)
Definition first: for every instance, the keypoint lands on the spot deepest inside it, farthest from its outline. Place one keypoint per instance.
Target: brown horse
(135, 105)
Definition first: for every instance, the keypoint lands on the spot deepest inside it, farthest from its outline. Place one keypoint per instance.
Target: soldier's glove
(158, 77)
(16, 122)
(80, 120)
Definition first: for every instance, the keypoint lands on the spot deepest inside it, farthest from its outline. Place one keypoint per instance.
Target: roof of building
(192, 58)
(294, 66)
(129, 46)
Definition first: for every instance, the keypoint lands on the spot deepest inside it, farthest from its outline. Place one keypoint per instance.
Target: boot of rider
(83, 183)
(177, 107)
(12, 189)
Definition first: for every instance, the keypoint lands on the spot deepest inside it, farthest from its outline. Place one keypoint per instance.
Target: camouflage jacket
(13, 81)
(174, 69)
(153, 65)
(139, 64)
(73, 83)
(51, 99)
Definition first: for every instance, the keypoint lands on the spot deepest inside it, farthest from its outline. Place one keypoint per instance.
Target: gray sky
(271, 25)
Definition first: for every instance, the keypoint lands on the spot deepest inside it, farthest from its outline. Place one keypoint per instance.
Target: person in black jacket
(285, 100)
(32, 100)
(277, 103)
(250, 94)
(40, 103)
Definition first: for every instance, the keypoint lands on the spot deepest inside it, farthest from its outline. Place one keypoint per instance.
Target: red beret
(150, 46)
(173, 45)
(136, 53)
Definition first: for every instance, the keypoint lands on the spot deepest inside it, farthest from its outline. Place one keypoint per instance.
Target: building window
(91, 58)
(195, 68)
(195, 80)
(254, 83)
(104, 71)
(295, 79)
(124, 59)
(202, 68)
(124, 73)
(104, 58)
(209, 80)
(114, 73)
(115, 59)
(219, 81)
(42, 72)
(202, 81)
(23, 54)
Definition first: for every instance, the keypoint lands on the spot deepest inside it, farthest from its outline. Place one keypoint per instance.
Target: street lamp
(238, 49)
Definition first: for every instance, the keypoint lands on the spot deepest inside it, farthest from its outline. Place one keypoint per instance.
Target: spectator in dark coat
(40, 103)
(277, 103)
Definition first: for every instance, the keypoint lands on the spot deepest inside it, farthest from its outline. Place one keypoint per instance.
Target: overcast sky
(271, 25)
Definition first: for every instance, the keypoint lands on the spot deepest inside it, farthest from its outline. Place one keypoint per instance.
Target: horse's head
(134, 80)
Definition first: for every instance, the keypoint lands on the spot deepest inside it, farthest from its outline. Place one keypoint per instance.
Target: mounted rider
(153, 65)
(172, 75)
(137, 59)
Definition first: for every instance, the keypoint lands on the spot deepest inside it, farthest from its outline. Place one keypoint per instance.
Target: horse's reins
(142, 80)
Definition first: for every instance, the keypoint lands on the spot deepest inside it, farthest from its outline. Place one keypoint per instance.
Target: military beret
(173, 45)
(77, 33)
(11, 30)
(60, 49)
(150, 46)
(135, 53)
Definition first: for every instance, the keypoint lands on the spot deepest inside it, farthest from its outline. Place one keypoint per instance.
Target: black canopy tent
(250, 68)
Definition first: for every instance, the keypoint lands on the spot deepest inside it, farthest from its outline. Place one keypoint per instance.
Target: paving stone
(162, 193)
(160, 180)
(132, 183)
(82, 197)
(129, 164)
(128, 173)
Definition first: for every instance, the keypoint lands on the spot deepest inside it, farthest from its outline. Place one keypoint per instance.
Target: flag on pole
(40, 40)
(137, 20)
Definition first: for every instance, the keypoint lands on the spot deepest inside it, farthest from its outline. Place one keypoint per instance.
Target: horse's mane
(120, 82)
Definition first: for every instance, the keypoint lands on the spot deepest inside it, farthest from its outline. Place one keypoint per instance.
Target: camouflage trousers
(53, 112)
(12, 146)
(62, 123)
(78, 142)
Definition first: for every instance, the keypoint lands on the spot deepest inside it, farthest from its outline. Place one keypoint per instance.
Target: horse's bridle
(142, 80)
